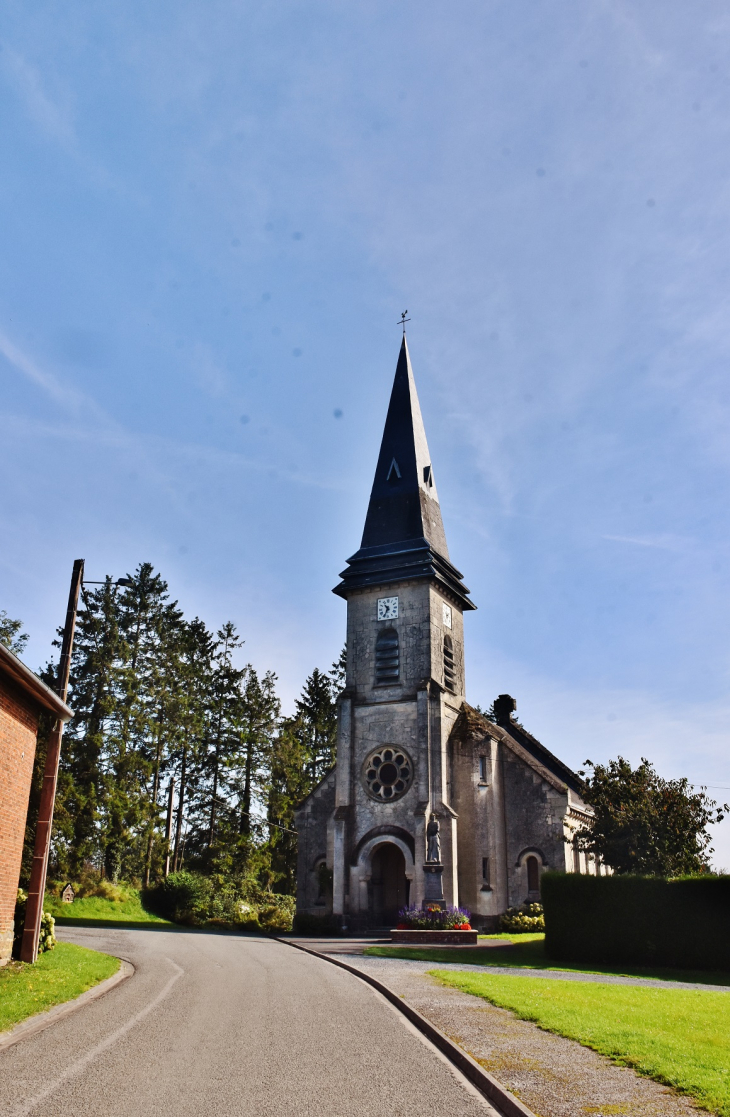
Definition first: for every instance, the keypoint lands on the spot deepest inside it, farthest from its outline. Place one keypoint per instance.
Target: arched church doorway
(388, 885)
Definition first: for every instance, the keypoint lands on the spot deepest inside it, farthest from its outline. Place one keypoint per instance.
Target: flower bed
(434, 924)
(453, 937)
(433, 919)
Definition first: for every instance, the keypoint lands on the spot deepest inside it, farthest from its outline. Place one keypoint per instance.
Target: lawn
(680, 1037)
(99, 909)
(493, 950)
(528, 952)
(59, 975)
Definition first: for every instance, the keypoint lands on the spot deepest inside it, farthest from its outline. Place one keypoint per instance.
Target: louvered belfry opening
(449, 669)
(387, 657)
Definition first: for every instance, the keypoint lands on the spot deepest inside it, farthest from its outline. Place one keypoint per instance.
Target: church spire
(403, 502)
(404, 534)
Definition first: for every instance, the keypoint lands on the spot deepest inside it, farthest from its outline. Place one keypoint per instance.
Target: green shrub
(47, 937)
(275, 913)
(523, 919)
(218, 901)
(306, 924)
(91, 883)
(184, 897)
(630, 920)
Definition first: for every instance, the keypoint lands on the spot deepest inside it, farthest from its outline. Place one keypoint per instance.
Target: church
(429, 800)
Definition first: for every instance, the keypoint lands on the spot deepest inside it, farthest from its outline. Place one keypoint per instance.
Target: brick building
(414, 760)
(23, 697)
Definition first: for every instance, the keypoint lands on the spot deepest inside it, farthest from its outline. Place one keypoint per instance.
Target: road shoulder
(551, 1075)
(43, 1020)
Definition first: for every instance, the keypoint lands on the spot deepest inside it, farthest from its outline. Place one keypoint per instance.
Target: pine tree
(159, 699)
(144, 617)
(225, 727)
(338, 673)
(187, 762)
(260, 712)
(83, 783)
(10, 634)
(289, 782)
(317, 720)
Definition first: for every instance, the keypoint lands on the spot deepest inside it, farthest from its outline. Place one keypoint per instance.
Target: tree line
(159, 702)
(165, 716)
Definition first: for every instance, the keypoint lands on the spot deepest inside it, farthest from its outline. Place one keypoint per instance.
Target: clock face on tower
(446, 614)
(387, 608)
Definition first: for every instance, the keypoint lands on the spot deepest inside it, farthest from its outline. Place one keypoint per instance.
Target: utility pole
(168, 828)
(37, 887)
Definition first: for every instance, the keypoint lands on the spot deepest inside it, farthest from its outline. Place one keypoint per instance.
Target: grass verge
(679, 1037)
(59, 975)
(528, 952)
(99, 909)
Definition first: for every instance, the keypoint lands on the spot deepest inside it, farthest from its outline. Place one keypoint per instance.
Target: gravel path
(553, 1076)
(565, 975)
(355, 947)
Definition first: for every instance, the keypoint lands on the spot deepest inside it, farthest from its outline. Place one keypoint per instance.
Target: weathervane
(403, 321)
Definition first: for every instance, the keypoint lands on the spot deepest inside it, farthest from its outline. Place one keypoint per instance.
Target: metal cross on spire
(403, 321)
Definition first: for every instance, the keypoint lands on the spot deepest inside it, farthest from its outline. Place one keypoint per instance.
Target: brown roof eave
(29, 682)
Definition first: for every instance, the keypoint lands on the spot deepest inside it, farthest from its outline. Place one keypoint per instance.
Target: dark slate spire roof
(404, 533)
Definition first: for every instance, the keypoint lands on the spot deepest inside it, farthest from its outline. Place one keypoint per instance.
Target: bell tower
(405, 681)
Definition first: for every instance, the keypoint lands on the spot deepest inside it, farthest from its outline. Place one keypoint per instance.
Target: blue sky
(214, 213)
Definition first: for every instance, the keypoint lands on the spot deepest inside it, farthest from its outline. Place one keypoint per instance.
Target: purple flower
(433, 919)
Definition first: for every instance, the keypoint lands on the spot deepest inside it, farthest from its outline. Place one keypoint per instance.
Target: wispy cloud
(53, 116)
(68, 397)
(661, 542)
(88, 423)
(50, 115)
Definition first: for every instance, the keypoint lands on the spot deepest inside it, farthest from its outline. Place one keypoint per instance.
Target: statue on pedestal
(433, 848)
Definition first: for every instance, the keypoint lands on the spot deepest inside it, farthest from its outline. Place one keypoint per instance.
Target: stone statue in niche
(433, 848)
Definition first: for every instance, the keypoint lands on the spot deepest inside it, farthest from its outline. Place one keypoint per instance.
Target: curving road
(217, 1025)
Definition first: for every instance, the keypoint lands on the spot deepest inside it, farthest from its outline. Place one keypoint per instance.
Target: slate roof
(404, 535)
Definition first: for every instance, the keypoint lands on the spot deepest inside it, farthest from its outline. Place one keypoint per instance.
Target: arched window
(576, 856)
(449, 669)
(387, 657)
(533, 875)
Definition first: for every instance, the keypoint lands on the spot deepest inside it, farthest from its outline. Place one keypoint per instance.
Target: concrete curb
(44, 1020)
(494, 1091)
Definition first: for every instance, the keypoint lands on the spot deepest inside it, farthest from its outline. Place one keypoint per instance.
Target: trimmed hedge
(630, 920)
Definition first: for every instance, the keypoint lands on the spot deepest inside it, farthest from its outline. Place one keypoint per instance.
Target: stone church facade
(409, 747)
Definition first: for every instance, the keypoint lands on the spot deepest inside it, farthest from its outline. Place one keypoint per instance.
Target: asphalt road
(216, 1025)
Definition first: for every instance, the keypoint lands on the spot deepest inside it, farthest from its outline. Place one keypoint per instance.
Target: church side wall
(534, 814)
(479, 803)
(313, 823)
(506, 812)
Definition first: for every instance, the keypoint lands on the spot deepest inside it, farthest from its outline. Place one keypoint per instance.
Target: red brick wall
(18, 727)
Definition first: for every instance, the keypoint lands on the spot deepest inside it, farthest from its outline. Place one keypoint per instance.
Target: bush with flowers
(47, 938)
(433, 919)
(520, 920)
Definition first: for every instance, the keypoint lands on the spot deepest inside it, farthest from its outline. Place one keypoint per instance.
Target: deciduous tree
(645, 824)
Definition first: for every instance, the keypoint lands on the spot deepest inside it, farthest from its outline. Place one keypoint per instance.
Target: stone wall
(415, 714)
(509, 808)
(314, 826)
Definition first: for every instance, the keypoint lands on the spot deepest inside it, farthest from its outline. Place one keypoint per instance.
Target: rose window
(388, 773)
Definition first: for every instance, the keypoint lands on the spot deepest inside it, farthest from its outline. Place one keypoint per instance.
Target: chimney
(504, 706)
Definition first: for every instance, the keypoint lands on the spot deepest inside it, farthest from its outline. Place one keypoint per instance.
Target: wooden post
(37, 887)
(168, 828)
